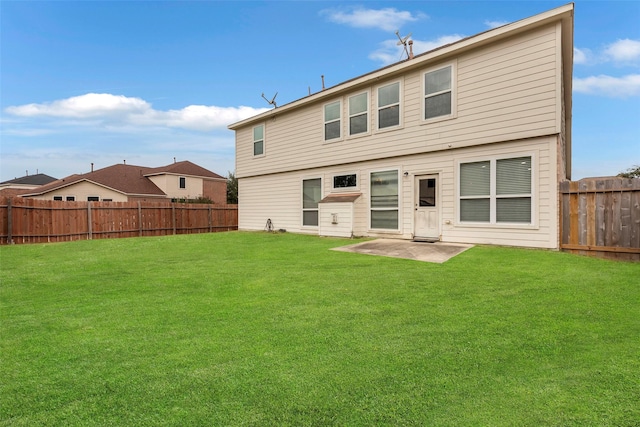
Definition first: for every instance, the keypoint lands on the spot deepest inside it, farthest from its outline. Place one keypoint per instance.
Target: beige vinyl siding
(505, 90)
(278, 196)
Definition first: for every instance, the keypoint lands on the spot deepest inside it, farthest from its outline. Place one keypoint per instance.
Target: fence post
(9, 221)
(139, 219)
(89, 221)
(173, 217)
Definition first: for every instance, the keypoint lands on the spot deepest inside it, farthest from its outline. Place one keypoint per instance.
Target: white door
(426, 221)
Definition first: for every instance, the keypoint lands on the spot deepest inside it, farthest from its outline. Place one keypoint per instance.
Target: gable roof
(563, 14)
(37, 179)
(128, 179)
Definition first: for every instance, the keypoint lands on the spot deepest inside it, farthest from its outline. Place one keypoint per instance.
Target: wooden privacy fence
(24, 220)
(601, 217)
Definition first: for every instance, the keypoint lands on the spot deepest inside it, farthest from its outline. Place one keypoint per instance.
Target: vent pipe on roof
(124, 161)
(27, 173)
(322, 76)
(91, 166)
(174, 160)
(410, 49)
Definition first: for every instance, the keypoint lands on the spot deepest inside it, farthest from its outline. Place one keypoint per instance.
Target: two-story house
(122, 183)
(464, 143)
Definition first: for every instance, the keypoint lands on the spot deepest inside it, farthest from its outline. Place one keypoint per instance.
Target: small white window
(359, 113)
(57, 198)
(389, 105)
(438, 93)
(93, 199)
(71, 198)
(345, 181)
(258, 140)
(332, 124)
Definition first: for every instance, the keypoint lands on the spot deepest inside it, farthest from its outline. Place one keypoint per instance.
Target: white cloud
(623, 51)
(119, 110)
(387, 19)
(389, 51)
(614, 87)
(581, 56)
(83, 106)
(495, 24)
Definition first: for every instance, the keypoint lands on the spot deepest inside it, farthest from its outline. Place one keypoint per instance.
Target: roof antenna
(402, 41)
(273, 100)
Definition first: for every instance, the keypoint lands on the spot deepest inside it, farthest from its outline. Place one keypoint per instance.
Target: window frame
(70, 198)
(493, 196)
(335, 189)
(397, 208)
(366, 112)
(325, 122)
(303, 209)
(453, 89)
(182, 183)
(379, 108)
(93, 198)
(58, 198)
(255, 141)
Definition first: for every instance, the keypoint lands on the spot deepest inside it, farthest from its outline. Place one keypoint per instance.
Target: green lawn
(265, 329)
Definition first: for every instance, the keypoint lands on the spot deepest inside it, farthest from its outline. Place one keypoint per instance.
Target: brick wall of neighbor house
(215, 190)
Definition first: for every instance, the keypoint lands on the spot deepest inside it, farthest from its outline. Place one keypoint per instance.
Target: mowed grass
(261, 329)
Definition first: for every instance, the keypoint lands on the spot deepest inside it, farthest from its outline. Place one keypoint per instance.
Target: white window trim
(302, 209)
(324, 123)
(264, 141)
(367, 112)
(454, 92)
(400, 190)
(492, 190)
(346, 189)
(88, 196)
(400, 106)
(74, 198)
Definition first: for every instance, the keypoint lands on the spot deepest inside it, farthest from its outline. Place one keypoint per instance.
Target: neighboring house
(23, 184)
(464, 143)
(122, 182)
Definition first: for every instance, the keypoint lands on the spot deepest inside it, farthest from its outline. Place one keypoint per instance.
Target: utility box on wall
(337, 214)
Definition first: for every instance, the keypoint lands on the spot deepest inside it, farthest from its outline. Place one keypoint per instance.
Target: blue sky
(145, 82)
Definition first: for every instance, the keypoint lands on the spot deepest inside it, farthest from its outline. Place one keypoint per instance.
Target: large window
(258, 140)
(438, 93)
(358, 113)
(311, 195)
(384, 200)
(332, 121)
(389, 105)
(496, 191)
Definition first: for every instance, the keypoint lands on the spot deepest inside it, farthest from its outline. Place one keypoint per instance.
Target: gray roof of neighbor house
(37, 179)
(129, 179)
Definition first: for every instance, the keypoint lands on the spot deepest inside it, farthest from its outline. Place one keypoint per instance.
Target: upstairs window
(389, 106)
(258, 140)
(183, 182)
(438, 89)
(332, 121)
(496, 191)
(358, 114)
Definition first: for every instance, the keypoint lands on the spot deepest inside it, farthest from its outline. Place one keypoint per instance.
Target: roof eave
(564, 13)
